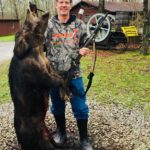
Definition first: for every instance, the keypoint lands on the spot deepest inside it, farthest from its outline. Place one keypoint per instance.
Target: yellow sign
(130, 31)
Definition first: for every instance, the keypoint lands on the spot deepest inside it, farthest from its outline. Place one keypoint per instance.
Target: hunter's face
(63, 7)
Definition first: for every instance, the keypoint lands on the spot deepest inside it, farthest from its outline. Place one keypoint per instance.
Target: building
(123, 11)
(91, 7)
(9, 26)
(138, 1)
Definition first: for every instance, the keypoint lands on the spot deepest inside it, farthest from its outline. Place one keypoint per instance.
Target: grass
(7, 38)
(119, 78)
(4, 89)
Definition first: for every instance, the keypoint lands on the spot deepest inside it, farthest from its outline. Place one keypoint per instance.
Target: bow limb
(91, 74)
(94, 57)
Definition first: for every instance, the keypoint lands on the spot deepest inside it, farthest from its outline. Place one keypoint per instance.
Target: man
(64, 36)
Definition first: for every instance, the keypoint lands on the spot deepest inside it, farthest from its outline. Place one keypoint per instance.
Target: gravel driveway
(6, 50)
(110, 127)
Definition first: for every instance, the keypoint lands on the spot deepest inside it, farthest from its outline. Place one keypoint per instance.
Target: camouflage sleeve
(83, 34)
(48, 36)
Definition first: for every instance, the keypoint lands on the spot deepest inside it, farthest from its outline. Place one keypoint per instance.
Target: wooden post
(145, 39)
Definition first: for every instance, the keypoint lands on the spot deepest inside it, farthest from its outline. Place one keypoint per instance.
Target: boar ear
(28, 15)
(28, 12)
(45, 17)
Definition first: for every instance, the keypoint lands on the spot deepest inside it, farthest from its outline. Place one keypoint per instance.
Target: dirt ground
(111, 127)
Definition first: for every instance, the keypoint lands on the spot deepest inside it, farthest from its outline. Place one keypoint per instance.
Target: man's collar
(70, 20)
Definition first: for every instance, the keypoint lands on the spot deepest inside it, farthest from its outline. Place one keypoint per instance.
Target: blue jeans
(78, 101)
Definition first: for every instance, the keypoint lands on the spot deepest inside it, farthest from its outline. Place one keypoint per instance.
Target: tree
(15, 4)
(101, 6)
(145, 39)
(2, 8)
(17, 8)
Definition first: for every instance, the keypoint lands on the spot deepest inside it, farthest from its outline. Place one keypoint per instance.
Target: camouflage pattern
(63, 42)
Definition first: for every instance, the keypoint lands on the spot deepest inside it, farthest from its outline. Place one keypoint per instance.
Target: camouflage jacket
(63, 42)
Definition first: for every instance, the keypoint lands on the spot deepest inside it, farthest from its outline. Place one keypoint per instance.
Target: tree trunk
(2, 12)
(145, 42)
(16, 10)
(101, 6)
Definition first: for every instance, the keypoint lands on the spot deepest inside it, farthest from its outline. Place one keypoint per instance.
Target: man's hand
(84, 51)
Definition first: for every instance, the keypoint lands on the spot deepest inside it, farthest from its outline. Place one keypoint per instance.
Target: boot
(59, 138)
(82, 126)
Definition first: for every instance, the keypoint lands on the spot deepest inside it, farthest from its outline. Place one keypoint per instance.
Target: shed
(114, 8)
(124, 12)
(89, 9)
(9, 26)
(110, 6)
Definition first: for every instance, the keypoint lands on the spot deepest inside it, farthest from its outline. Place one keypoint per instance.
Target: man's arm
(83, 51)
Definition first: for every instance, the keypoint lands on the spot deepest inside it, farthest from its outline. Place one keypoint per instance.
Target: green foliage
(120, 78)
(4, 88)
(7, 38)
